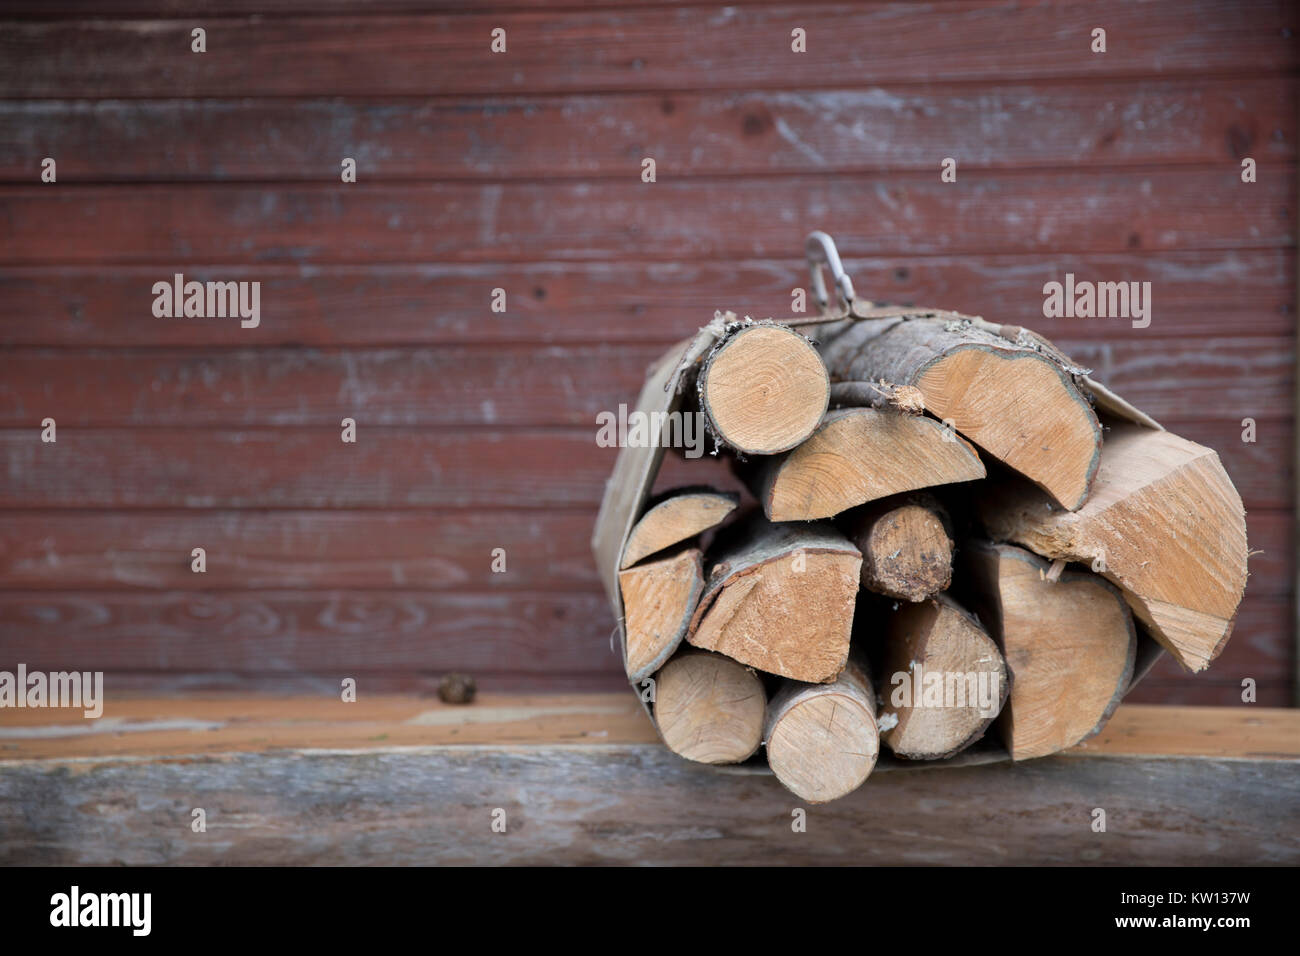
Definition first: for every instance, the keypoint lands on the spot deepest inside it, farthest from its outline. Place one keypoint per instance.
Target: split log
(906, 547)
(780, 598)
(1069, 646)
(1016, 401)
(821, 739)
(1164, 523)
(943, 681)
(709, 708)
(659, 598)
(763, 389)
(680, 514)
(859, 455)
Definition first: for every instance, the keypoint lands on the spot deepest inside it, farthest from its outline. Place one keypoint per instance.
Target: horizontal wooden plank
(689, 48)
(901, 213)
(1175, 121)
(350, 632)
(532, 385)
(402, 468)
(223, 723)
(346, 633)
(1217, 694)
(297, 549)
(1234, 291)
(623, 804)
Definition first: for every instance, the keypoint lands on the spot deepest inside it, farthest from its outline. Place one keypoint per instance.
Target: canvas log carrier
(957, 546)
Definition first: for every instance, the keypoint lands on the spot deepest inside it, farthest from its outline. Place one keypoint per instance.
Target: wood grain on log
(709, 708)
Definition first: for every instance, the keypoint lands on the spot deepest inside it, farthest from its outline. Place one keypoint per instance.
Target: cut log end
(1023, 410)
(709, 709)
(1069, 645)
(943, 683)
(659, 598)
(906, 550)
(822, 740)
(677, 518)
(859, 455)
(1164, 524)
(781, 598)
(764, 389)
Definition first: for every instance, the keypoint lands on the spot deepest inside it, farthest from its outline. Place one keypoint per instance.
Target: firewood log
(659, 598)
(1017, 402)
(906, 546)
(1164, 523)
(942, 682)
(763, 389)
(1069, 646)
(678, 515)
(855, 456)
(780, 598)
(709, 708)
(821, 739)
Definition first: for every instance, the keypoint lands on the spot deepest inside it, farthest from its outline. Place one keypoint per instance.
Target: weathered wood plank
(1236, 291)
(348, 632)
(529, 385)
(213, 723)
(71, 550)
(409, 468)
(1212, 692)
(903, 213)
(1172, 122)
(622, 804)
(690, 48)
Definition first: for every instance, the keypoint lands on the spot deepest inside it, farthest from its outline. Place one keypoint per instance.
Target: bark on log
(942, 683)
(781, 598)
(906, 547)
(1016, 401)
(1069, 646)
(763, 389)
(1164, 523)
(821, 739)
(659, 598)
(709, 708)
(859, 455)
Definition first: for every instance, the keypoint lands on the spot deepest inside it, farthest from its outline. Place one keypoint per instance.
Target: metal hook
(820, 249)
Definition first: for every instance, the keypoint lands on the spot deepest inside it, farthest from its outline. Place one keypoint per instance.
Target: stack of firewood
(953, 528)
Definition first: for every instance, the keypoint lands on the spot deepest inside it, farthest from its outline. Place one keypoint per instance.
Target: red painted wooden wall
(522, 171)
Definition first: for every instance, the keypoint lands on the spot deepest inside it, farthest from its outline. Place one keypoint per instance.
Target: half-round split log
(821, 739)
(1164, 523)
(859, 455)
(1068, 644)
(659, 598)
(1015, 402)
(781, 598)
(943, 681)
(906, 547)
(764, 389)
(709, 708)
(679, 515)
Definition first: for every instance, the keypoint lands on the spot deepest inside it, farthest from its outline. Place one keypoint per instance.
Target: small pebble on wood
(457, 689)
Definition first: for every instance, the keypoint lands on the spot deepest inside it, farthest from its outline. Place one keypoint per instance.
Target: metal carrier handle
(820, 249)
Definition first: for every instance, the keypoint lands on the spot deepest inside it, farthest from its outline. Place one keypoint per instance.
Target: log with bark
(659, 598)
(859, 455)
(780, 598)
(709, 708)
(906, 545)
(821, 739)
(1068, 641)
(942, 681)
(1164, 523)
(763, 389)
(1016, 401)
